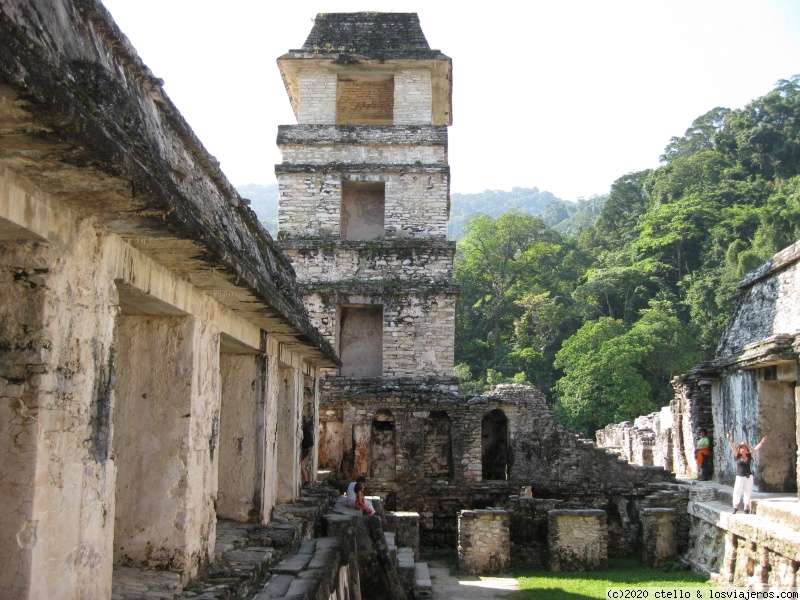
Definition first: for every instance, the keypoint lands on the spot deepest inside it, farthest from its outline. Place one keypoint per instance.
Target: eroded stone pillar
(55, 364)
(484, 541)
(362, 446)
(242, 436)
(289, 409)
(578, 540)
(166, 424)
(659, 535)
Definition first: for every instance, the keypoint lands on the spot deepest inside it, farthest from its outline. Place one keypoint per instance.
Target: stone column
(484, 541)
(242, 436)
(578, 540)
(659, 535)
(288, 424)
(165, 432)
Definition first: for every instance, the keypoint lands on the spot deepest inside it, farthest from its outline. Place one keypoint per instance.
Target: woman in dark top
(744, 472)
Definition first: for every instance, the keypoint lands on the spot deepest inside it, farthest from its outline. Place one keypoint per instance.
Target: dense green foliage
(602, 314)
(622, 573)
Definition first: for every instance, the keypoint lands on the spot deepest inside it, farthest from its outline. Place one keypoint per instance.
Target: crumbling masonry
(750, 388)
(154, 357)
(364, 201)
(157, 360)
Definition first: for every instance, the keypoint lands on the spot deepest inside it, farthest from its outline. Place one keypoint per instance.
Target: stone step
(405, 568)
(422, 581)
(276, 587)
(300, 575)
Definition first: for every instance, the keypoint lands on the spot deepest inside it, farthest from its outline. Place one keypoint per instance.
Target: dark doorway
(494, 445)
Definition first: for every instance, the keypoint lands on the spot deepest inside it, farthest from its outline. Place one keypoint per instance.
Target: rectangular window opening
(363, 210)
(364, 100)
(361, 340)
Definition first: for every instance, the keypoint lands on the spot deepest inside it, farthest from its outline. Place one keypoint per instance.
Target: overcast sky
(563, 95)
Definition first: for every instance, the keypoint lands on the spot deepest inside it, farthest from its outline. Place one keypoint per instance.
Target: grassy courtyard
(621, 573)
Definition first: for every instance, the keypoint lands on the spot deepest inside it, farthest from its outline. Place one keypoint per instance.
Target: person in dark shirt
(744, 471)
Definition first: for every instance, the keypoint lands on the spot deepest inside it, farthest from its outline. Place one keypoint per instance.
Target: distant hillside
(566, 217)
(569, 218)
(264, 202)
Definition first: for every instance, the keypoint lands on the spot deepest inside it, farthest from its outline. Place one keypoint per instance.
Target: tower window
(363, 209)
(365, 101)
(361, 340)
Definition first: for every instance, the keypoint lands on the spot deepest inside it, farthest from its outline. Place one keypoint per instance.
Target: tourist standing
(744, 471)
(704, 456)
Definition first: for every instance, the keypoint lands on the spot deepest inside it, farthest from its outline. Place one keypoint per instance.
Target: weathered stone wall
(541, 453)
(742, 552)
(528, 530)
(417, 328)
(577, 540)
(317, 104)
(767, 304)
(412, 97)
(484, 543)
(405, 526)
(310, 199)
(321, 145)
(659, 536)
(667, 438)
(407, 102)
(56, 364)
(376, 262)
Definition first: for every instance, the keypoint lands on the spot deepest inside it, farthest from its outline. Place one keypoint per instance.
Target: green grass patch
(621, 573)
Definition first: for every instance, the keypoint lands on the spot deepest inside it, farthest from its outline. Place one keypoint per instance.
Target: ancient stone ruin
(364, 202)
(750, 388)
(160, 354)
(155, 358)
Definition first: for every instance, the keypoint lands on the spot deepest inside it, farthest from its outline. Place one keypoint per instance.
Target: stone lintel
(588, 512)
(779, 348)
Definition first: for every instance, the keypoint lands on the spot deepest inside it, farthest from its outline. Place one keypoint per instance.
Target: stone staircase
(756, 549)
(413, 576)
(244, 555)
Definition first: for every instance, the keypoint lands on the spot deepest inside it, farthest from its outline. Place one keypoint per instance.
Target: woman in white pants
(744, 472)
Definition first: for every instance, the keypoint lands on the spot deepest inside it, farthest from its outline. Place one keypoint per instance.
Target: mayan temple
(363, 210)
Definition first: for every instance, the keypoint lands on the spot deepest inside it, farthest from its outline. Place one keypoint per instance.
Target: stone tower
(364, 202)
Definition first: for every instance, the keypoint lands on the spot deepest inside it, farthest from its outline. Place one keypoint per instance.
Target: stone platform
(754, 550)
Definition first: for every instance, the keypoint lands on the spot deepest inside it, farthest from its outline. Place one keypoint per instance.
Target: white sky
(563, 95)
